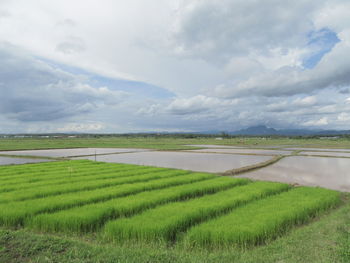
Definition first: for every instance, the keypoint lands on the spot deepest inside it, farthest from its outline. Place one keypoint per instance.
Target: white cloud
(306, 101)
(321, 122)
(227, 63)
(344, 116)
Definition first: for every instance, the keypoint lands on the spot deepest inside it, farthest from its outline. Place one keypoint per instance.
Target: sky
(115, 66)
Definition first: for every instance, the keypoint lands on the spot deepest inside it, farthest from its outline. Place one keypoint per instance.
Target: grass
(98, 174)
(183, 203)
(15, 213)
(165, 222)
(66, 173)
(253, 167)
(323, 241)
(264, 219)
(44, 191)
(164, 143)
(91, 217)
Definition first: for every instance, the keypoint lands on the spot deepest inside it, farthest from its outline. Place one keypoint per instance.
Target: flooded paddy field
(72, 152)
(246, 151)
(332, 173)
(318, 149)
(333, 154)
(214, 146)
(11, 160)
(202, 162)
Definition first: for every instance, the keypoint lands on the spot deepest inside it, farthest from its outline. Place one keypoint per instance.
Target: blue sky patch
(320, 42)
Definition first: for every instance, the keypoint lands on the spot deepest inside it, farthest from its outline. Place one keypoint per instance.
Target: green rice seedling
(63, 171)
(21, 170)
(14, 172)
(264, 219)
(96, 174)
(91, 217)
(164, 223)
(89, 185)
(66, 174)
(14, 213)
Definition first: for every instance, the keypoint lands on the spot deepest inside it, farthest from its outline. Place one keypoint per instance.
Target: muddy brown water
(10, 160)
(248, 151)
(72, 152)
(201, 162)
(332, 173)
(335, 154)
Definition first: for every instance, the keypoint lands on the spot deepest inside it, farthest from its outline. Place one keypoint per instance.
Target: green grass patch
(14, 213)
(90, 175)
(164, 142)
(44, 191)
(91, 217)
(166, 222)
(264, 219)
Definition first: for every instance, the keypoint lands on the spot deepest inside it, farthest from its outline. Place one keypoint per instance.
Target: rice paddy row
(123, 203)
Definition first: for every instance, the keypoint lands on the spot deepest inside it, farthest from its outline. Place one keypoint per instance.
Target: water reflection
(184, 160)
(72, 152)
(10, 160)
(326, 172)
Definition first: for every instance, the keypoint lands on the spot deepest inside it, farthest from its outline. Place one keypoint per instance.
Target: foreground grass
(325, 240)
(164, 143)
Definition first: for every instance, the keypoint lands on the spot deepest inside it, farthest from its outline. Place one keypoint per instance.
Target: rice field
(126, 203)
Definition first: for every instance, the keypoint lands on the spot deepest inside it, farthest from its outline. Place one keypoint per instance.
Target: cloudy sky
(173, 65)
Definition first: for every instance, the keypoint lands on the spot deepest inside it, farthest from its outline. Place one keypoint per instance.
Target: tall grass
(264, 219)
(89, 185)
(14, 213)
(165, 222)
(93, 216)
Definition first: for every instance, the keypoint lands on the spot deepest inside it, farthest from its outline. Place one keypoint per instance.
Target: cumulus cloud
(321, 122)
(71, 45)
(218, 30)
(227, 64)
(32, 90)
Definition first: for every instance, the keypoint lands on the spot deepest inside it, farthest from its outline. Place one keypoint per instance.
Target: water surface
(71, 152)
(213, 146)
(332, 173)
(202, 162)
(318, 149)
(10, 160)
(248, 151)
(335, 154)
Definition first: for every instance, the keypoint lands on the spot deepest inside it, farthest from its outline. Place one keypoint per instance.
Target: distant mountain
(256, 130)
(263, 130)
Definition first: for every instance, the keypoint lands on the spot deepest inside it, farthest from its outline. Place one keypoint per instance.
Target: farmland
(176, 211)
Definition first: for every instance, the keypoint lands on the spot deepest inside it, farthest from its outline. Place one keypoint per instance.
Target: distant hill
(263, 130)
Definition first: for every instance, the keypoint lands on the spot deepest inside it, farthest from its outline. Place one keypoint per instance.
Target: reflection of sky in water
(319, 149)
(327, 153)
(253, 151)
(184, 160)
(331, 173)
(9, 160)
(72, 152)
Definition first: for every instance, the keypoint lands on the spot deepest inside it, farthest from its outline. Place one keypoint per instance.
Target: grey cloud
(218, 30)
(71, 45)
(4, 14)
(32, 90)
(344, 91)
(332, 71)
(67, 22)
